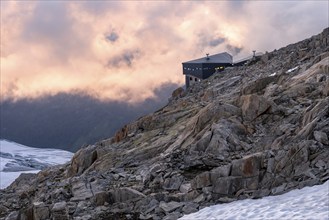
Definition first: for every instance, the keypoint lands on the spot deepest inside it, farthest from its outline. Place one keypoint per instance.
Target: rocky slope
(247, 132)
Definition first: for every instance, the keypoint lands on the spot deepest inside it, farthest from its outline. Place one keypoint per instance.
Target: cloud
(112, 37)
(55, 30)
(207, 40)
(216, 42)
(100, 8)
(236, 4)
(233, 50)
(47, 24)
(125, 59)
(126, 50)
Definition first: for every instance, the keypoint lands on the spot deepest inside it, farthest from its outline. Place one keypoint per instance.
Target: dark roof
(248, 58)
(217, 58)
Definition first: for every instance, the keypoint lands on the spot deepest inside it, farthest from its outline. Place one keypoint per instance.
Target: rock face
(82, 160)
(247, 132)
(253, 106)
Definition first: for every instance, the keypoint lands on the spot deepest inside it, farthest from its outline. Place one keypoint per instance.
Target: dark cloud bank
(67, 121)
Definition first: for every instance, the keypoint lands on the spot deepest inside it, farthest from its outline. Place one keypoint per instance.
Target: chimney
(207, 58)
(254, 53)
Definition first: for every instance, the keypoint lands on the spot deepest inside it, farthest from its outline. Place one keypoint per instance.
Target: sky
(125, 50)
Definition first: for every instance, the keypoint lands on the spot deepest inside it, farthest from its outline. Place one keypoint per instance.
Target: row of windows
(195, 79)
(206, 68)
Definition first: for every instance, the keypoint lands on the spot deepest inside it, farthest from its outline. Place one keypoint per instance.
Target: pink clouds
(125, 50)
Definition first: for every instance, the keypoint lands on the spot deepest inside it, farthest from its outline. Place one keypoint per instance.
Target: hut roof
(216, 58)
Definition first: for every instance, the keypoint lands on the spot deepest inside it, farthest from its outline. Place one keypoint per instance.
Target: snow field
(307, 203)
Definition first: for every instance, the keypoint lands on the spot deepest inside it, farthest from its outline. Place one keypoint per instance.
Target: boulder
(202, 144)
(261, 193)
(173, 216)
(185, 188)
(321, 137)
(293, 160)
(223, 185)
(3, 209)
(40, 211)
(85, 217)
(213, 112)
(82, 208)
(81, 191)
(201, 180)
(279, 189)
(173, 183)
(218, 144)
(253, 106)
(177, 93)
(59, 211)
(232, 184)
(191, 195)
(125, 194)
(120, 134)
(224, 137)
(59, 206)
(170, 206)
(190, 207)
(23, 182)
(259, 84)
(317, 110)
(307, 130)
(208, 95)
(82, 160)
(13, 216)
(270, 165)
(158, 182)
(248, 166)
(27, 213)
(218, 172)
(265, 58)
(321, 164)
(101, 198)
(325, 90)
(155, 169)
(200, 198)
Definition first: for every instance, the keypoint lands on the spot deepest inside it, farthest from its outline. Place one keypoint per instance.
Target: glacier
(16, 159)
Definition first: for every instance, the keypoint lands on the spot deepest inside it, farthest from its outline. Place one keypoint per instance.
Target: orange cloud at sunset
(125, 50)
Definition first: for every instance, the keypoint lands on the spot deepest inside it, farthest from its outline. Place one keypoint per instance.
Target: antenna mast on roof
(254, 55)
(207, 56)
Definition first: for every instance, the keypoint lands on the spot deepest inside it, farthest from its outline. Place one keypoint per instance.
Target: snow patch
(307, 203)
(292, 70)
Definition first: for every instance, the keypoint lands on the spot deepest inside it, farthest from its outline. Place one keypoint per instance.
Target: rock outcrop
(247, 132)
